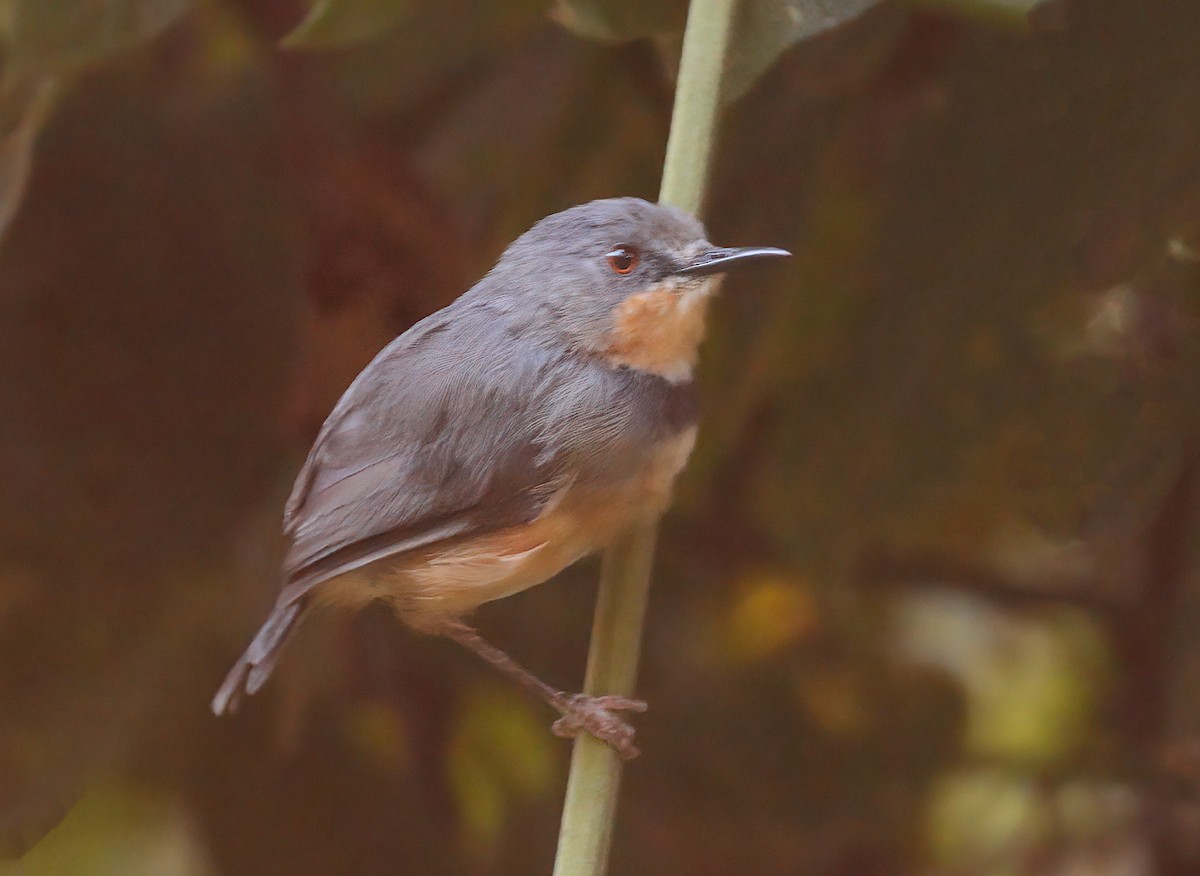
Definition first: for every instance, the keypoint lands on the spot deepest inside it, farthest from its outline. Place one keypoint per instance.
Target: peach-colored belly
(429, 588)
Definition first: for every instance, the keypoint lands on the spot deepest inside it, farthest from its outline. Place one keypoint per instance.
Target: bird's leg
(580, 712)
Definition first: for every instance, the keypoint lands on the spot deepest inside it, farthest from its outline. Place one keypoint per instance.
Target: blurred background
(927, 601)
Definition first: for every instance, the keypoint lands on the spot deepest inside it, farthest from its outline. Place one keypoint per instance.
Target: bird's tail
(255, 666)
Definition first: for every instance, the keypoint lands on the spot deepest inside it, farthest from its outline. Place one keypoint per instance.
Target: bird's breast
(659, 331)
(578, 520)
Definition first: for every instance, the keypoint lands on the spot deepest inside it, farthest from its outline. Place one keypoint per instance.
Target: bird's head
(622, 279)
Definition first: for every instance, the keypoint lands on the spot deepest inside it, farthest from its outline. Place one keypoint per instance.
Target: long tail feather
(254, 667)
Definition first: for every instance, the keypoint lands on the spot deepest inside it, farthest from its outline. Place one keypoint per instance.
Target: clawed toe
(597, 717)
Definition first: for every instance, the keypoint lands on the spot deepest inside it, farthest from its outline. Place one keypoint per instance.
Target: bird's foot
(597, 716)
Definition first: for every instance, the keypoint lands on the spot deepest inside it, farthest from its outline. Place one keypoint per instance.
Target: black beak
(722, 258)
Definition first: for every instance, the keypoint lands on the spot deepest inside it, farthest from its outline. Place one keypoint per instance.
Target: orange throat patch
(660, 330)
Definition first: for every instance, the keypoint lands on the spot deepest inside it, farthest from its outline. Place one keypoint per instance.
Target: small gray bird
(506, 436)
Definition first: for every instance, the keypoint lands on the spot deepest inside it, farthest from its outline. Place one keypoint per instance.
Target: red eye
(623, 259)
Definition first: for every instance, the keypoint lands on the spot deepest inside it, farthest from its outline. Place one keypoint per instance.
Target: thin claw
(596, 717)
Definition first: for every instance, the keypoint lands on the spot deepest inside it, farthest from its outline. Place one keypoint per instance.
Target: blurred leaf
(1031, 684)
(336, 23)
(42, 38)
(770, 614)
(108, 631)
(119, 830)
(765, 28)
(501, 754)
(1010, 12)
(21, 117)
(620, 20)
(1028, 703)
(66, 33)
(981, 815)
(395, 73)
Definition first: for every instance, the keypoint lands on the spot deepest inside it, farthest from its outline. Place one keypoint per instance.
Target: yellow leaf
(770, 614)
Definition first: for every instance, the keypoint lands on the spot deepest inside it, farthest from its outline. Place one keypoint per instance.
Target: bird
(501, 439)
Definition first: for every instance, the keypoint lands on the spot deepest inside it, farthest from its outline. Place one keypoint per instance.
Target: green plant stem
(697, 102)
(589, 809)
(591, 801)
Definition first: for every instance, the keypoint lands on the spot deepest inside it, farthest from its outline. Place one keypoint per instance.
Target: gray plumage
(471, 420)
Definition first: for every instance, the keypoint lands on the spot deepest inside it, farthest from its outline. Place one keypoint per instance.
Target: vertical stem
(697, 100)
(589, 809)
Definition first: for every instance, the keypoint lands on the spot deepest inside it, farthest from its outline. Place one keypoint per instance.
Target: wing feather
(434, 440)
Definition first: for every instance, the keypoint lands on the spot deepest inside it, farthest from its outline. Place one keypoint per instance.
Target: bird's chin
(702, 288)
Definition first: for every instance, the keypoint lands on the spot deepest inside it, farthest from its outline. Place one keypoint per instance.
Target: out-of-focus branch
(891, 569)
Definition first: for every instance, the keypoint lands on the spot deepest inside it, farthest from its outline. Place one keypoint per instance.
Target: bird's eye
(623, 259)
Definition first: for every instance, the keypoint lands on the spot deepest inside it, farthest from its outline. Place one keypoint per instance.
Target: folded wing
(438, 438)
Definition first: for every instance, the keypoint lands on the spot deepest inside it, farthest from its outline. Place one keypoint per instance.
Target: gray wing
(436, 439)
